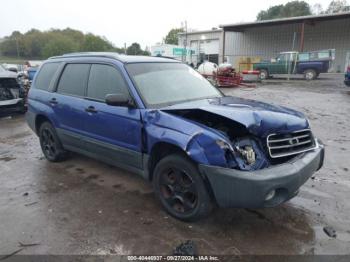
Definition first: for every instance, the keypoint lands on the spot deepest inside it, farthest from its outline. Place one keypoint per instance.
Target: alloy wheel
(48, 142)
(178, 190)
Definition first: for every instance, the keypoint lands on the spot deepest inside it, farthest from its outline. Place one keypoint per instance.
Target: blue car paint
(141, 129)
(31, 73)
(259, 118)
(73, 118)
(198, 141)
(318, 66)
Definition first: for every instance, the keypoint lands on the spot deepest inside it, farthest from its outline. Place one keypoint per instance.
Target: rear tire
(51, 144)
(264, 74)
(181, 189)
(310, 74)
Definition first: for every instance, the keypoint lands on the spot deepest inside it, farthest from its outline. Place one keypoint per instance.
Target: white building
(206, 45)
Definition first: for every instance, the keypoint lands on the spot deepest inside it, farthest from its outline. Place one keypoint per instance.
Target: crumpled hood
(259, 118)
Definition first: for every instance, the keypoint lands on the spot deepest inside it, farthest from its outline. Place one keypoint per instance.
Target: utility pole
(185, 41)
(17, 47)
(184, 27)
(125, 48)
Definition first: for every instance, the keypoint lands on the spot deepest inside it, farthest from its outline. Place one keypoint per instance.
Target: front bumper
(10, 107)
(235, 188)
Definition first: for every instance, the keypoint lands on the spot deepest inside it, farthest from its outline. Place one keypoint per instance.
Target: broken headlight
(248, 155)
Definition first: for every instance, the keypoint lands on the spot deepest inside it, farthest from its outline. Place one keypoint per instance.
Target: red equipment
(226, 76)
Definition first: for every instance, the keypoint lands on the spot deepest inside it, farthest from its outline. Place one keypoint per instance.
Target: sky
(143, 21)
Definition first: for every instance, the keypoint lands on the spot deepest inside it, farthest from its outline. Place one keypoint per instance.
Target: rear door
(68, 103)
(113, 132)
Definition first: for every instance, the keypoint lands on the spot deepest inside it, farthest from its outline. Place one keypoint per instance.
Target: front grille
(281, 145)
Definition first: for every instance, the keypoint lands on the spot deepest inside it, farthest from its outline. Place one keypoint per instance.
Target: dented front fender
(198, 142)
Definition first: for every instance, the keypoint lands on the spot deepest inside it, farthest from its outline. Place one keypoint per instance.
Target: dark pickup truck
(311, 64)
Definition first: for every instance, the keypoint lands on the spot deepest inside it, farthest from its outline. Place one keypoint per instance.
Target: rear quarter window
(46, 75)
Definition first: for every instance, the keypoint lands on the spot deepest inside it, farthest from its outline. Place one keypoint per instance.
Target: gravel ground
(82, 206)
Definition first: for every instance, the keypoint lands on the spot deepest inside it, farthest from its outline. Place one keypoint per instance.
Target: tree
(271, 13)
(59, 46)
(291, 9)
(337, 6)
(95, 43)
(172, 37)
(317, 9)
(135, 49)
(12, 45)
(43, 44)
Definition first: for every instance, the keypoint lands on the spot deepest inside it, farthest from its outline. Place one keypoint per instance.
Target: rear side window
(104, 80)
(74, 79)
(45, 75)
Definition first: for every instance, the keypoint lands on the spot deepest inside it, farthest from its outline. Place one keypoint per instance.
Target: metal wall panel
(268, 41)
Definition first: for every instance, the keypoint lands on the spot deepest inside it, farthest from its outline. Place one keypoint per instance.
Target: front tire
(180, 188)
(51, 144)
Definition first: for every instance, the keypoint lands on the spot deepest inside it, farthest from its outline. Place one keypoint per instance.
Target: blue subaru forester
(161, 119)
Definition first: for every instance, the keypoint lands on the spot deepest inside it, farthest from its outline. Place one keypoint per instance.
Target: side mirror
(119, 100)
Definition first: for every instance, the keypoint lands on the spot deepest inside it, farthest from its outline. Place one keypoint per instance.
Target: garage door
(209, 47)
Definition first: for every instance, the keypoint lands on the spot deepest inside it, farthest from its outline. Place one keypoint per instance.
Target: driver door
(111, 132)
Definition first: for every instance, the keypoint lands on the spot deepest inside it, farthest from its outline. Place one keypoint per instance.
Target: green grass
(14, 60)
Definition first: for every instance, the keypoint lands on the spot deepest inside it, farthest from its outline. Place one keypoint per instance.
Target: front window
(161, 84)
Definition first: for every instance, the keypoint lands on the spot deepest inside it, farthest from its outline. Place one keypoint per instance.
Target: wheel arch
(39, 120)
(311, 68)
(159, 151)
(163, 149)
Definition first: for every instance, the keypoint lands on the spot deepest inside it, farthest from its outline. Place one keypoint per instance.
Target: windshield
(161, 84)
(2, 69)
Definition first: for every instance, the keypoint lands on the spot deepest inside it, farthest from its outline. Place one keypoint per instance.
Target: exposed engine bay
(11, 97)
(9, 89)
(245, 152)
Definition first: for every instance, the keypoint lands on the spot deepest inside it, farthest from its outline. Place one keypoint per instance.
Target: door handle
(53, 101)
(91, 109)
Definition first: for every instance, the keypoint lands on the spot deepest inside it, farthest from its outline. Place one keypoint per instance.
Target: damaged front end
(250, 165)
(234, 147)
(252, 135)
(11, 97)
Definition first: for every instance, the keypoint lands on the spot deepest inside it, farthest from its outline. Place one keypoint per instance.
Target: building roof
(112, 55)
(290, 20)
(201, 32)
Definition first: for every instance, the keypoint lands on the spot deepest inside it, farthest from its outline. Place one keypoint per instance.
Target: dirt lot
(85, 207)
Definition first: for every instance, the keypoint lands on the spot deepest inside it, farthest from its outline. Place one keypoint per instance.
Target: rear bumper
(235, 188)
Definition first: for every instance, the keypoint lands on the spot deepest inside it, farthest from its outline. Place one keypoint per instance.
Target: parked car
(310, 64)
(347, 77)
(31, 73)
(161, 119)
(11, 94)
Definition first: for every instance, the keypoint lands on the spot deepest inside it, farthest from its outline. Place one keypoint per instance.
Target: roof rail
(89, 54)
